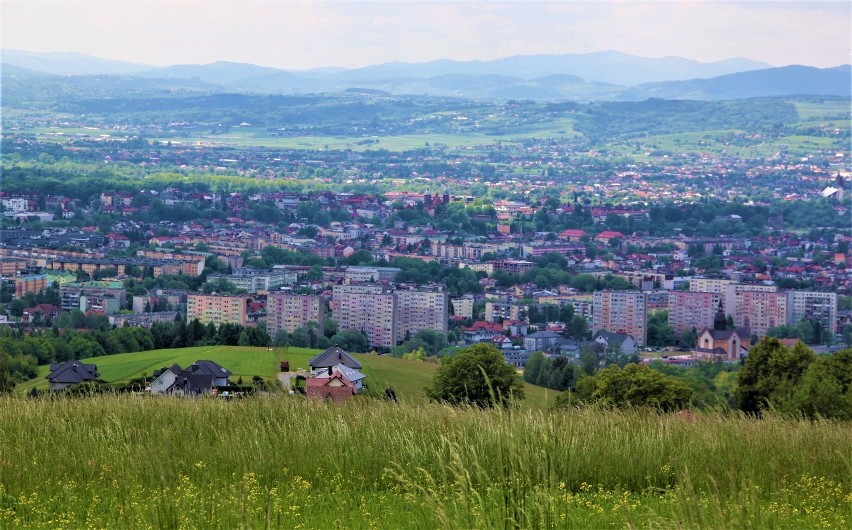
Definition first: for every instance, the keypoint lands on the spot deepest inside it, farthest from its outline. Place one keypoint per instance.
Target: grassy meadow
(407, 378)
(137, 461)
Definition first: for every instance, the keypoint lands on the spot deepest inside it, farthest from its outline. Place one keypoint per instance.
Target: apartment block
(30, 283)
(388, 316)
(70, 294)
(217, 308)
(712, 285)
(355, 274)
(463, 307)
(421, 309)
(367, 308)
(290, 311)
(497, 312)
(256, 280)
(758, 310)
(815, 306)
(621, 312)
(691, 310)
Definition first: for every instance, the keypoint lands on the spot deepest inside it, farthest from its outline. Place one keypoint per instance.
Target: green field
(407, 378)
(131, 461)
(822, 108)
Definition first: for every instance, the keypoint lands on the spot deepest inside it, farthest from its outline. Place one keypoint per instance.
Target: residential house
(626, 344)
(200, 378)
(69, 373)
(542, 341)
(330, 358)
(336, 387)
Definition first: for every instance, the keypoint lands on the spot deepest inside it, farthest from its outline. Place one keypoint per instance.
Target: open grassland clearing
(822, 108)
(135, 461)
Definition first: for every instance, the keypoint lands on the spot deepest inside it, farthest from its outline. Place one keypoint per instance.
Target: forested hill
(603, 76)
(786, 81)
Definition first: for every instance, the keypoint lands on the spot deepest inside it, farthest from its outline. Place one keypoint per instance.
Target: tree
(351, 340)
(7, 384)
(579, 327)
(771, 374)
(532, 370)
(282, 339)
(638, 385)
(689, 338)
(824, 389)
(478, 375)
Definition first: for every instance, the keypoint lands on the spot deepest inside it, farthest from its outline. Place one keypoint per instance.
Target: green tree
(351, 340)
(824, 389)
(7, 384)
(771, 374)
(638, 385)
(579, 327)
(478, 375)
(532, 370)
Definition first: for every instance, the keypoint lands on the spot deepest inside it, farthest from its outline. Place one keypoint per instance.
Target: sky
(300, 35)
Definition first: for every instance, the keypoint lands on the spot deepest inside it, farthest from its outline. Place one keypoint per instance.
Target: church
(723, 344)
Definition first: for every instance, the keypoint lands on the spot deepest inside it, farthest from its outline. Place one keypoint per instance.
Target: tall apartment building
(621, 312)
(815, 306)
(367, 308)
(712, 285)
(688, 310)
(290, 311)
(731, 290)
(421, 309)
(217, 308)
(756, 310)
(388, 316)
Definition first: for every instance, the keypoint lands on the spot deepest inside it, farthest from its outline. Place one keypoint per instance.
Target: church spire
(719, 321)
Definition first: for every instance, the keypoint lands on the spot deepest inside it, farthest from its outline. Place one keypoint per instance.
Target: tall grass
(131, 461)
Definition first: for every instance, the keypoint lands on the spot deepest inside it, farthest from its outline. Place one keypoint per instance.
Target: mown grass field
(407, 378)
(283, 462)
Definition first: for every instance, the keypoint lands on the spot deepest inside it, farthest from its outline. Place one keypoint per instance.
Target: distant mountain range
(578, 77)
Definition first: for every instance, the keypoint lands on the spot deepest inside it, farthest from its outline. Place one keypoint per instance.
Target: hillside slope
(407, 378)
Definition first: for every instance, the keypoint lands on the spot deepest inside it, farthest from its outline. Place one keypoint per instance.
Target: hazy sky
(308, 34)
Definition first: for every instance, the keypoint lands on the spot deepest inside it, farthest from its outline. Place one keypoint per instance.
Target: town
(637, 265)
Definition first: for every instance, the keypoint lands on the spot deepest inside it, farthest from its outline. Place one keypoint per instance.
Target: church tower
(719, 321)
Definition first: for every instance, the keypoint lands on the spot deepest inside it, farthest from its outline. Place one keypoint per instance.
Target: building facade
(692, 310)
(290, 311)
(421, 309)
(815, 306)
(217, 308)
(621, 312)
(757, 311)
(367, 308)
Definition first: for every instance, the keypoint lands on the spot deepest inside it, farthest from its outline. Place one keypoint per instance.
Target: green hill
(407, 378)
